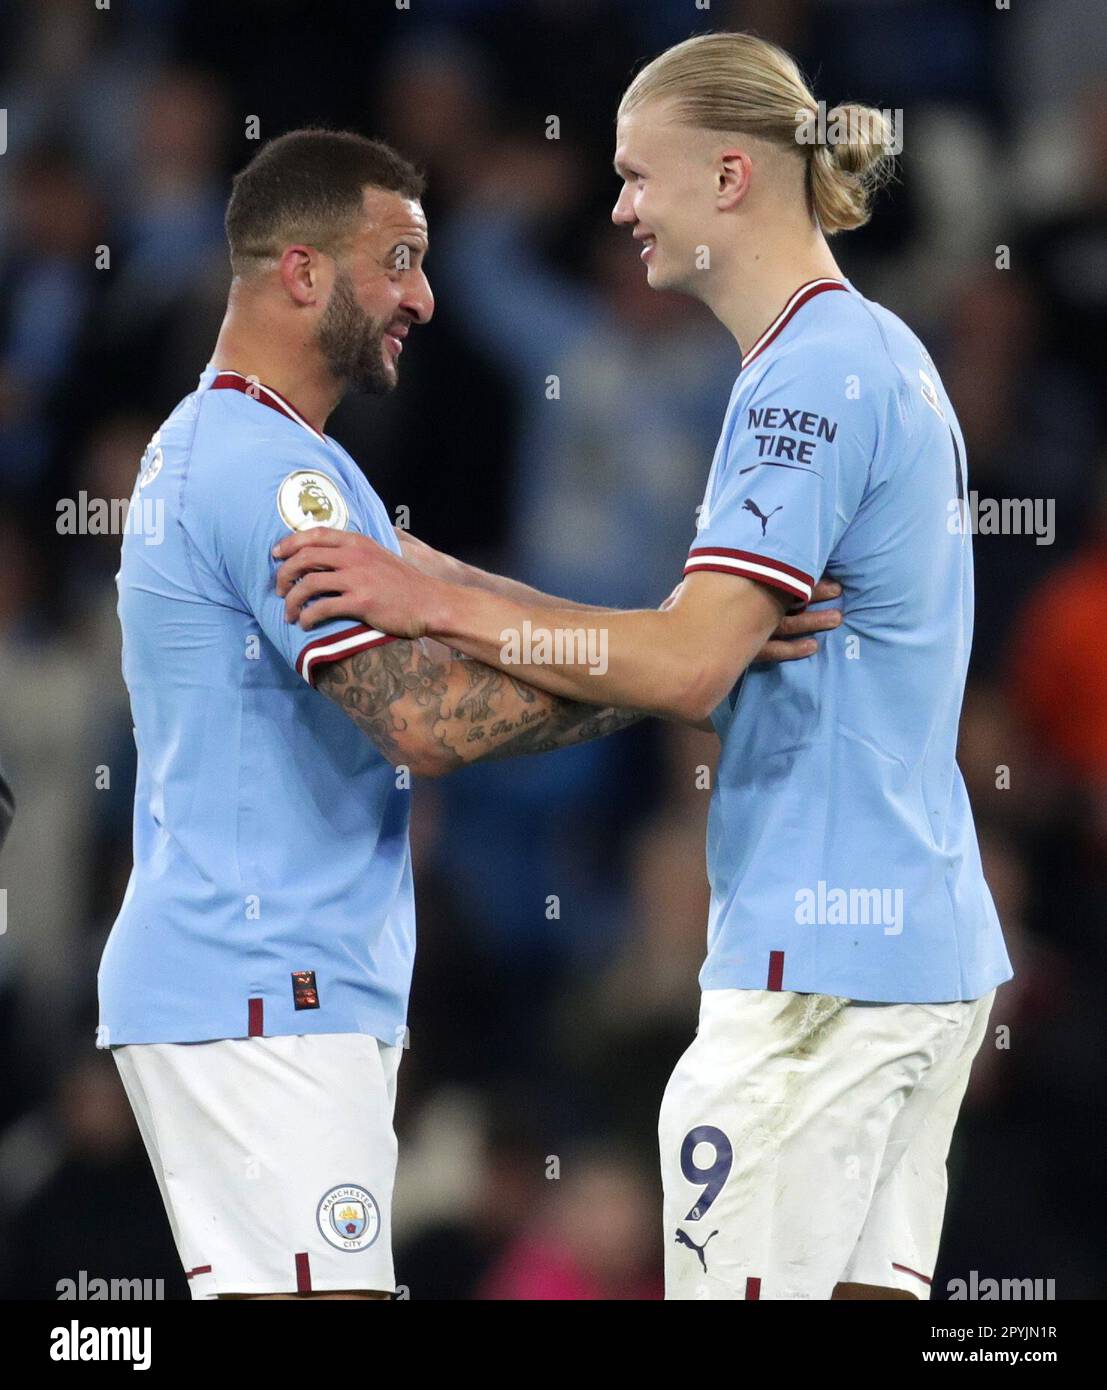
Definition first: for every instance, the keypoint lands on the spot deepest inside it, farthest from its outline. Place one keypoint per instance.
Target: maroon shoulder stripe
(753, 558)
(337, 645)
(235, 381)
(796, 301)
(744, 563)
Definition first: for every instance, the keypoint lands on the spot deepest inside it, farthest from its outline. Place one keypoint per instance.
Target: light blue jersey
(841, 848)
(271, 891)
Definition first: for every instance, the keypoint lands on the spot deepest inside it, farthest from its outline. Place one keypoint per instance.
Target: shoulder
(237, 443)
(371, 514)
(245, 462)
(844, 337)
(839, 370)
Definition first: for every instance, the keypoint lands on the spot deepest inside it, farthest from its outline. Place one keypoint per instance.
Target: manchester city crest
(349, 1218)
(152, 461)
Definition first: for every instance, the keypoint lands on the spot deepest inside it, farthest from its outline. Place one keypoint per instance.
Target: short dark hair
(307, 186)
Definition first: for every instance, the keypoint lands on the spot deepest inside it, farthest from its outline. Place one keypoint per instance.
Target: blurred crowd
(540, 1044)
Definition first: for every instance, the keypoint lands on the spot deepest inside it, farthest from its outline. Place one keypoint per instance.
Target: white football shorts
(276, 1158)
(804, 1140)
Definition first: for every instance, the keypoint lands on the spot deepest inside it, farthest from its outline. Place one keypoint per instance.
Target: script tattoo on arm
(436, 716)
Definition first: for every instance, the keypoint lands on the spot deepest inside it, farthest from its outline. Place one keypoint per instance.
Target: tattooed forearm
(439, 715)
(379, 690)
(566, 723)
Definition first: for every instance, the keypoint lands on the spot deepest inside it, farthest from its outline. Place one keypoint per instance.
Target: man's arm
(436, 715)
(439, 565)
(678, 661)
(792, 638)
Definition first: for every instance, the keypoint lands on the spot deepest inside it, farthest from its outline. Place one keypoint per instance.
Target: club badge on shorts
(306, 499)
(305, 992)
(349, 1218)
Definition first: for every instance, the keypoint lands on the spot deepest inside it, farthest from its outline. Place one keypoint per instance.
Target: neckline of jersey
(796, 300)
(227, 380)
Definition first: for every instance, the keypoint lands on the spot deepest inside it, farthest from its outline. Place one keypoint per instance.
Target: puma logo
(750, 505)
(682, 1238)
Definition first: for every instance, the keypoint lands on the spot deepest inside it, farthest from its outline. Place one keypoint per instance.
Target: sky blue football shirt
(841, 848)
(271, 890)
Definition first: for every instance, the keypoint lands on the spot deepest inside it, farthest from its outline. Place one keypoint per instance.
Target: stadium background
(540, 1047)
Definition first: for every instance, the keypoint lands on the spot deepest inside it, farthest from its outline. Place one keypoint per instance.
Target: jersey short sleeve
(789, 474)
(258, 503)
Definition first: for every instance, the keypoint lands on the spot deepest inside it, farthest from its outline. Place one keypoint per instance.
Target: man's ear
(733, 173)
(302, 275)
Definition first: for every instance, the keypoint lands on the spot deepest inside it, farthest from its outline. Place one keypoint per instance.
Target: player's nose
(622, 214)
(418, 301)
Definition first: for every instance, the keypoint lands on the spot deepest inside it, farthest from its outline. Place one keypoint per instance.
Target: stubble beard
(352, 343)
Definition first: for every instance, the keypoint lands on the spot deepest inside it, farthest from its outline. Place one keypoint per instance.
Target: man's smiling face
(379, 291)
(668, 193)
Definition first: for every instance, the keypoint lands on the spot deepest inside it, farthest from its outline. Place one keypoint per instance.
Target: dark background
(540, 1048)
